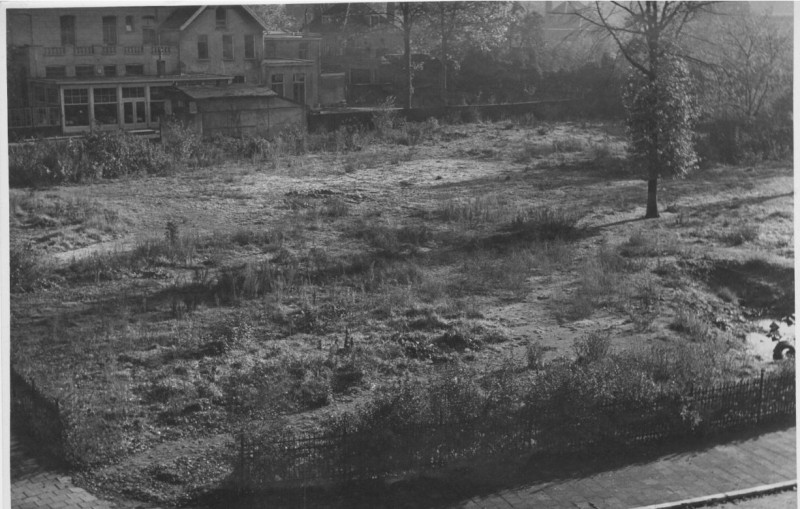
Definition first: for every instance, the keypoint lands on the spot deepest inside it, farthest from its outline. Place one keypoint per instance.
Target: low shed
(235, 110)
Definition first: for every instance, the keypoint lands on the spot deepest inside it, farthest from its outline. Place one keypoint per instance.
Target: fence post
(760, 396)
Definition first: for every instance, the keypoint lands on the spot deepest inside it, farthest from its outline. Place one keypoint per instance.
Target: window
(76, 107)
(132, 92)
(303, 53)
(277, 84)
(109, 30)
(202, 47)
(149, 31)
(39, 94)
(239, 79)
(222, 17)
(68, 30)
(270, 49)
(227, 47)
(105, 106)
(134, 70)
(129, 24)
(109, 70)
(84, 71)
(55, 71)
(249, 46)
(299, 88)
(157, 98)
(148, 36)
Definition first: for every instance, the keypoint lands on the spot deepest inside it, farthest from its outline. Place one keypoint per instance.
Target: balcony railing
(60, 51)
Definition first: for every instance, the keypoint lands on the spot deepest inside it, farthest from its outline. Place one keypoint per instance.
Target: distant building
(356, 37)
(74, 70)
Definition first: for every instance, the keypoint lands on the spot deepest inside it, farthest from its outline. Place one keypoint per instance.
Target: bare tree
(749, 57)
(405, 16)
(648, 35)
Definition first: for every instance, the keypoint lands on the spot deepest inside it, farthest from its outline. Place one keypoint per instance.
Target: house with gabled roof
(74, 70)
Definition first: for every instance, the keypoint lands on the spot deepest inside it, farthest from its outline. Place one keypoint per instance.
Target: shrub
(114, 154)
(691, 324)
(47, 162)
(593, 348)
(740, 234)
(27, 269)
(103, 154)
(546, 223)
(534, 354)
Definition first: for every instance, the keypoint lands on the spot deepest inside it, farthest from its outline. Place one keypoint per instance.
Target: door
(134, 107)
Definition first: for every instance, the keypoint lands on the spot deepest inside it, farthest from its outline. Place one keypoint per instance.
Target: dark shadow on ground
(29, 457)
(460, 485)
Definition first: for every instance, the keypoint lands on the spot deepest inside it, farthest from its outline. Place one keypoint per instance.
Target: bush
(546, 223)
(27, 270)
(113, 154)
(103, 154)
(768, 137)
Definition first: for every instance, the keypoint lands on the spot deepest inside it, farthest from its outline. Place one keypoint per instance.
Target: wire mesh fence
(271, 459)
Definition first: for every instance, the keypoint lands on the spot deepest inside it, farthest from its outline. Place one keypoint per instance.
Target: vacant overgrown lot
(167, 312)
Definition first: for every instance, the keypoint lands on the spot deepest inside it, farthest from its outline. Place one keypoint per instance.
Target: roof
(286, 61)
(182, 17)
(167, 78)
(199, 93)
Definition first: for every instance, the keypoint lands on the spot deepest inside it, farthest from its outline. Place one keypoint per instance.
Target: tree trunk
(409, 69)
(444, 72)
(652, 199)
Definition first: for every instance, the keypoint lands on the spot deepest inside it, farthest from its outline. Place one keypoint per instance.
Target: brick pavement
(34, 486)
(743, 463)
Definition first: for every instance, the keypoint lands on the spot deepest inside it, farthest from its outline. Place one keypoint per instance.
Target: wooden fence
(265, 462)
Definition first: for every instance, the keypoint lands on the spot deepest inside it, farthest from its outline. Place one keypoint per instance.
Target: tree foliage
(649, 36)
(661, 114)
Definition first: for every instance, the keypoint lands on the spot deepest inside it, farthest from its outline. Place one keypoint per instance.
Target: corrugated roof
(198, 93)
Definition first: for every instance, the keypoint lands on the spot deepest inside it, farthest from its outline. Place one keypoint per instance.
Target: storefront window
(157, 98)
(105, 106)
(76, 107)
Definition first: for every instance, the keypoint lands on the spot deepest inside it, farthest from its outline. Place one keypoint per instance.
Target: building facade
(355, 40)
(81, 69)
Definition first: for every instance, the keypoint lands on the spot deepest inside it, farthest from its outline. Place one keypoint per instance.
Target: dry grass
(283, 285)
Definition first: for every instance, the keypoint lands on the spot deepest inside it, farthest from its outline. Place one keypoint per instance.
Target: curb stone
(765, 489)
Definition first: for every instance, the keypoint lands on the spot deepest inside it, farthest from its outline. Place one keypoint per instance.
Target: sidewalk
(35, 486)
(724, 467)
(658, 475)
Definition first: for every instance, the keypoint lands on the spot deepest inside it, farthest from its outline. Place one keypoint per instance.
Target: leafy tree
(648, 35)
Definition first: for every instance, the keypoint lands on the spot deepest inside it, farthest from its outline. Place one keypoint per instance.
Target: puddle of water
(762, 345)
